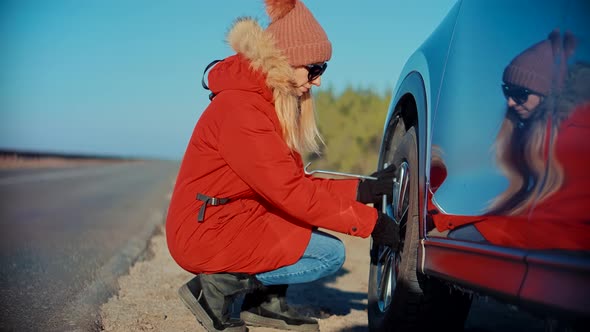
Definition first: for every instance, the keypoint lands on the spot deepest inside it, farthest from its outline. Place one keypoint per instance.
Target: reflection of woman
(524, 148)
(243, 215)
(543, 148)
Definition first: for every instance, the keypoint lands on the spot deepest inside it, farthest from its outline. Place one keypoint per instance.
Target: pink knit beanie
(297, 33)
(537, 67)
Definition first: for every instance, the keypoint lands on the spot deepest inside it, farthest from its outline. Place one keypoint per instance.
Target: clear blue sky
(122, 77)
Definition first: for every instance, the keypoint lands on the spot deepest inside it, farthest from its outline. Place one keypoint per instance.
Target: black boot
(267, 307)
(209, 296)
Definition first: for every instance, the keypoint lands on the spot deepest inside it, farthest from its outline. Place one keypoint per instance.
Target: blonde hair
(298, 121)
(526, 168)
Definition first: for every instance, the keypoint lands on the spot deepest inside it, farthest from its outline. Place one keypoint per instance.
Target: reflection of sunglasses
(519, 94)
(315, 70)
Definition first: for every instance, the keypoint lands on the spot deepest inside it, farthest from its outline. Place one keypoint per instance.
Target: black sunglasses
(519, 94)
(315, 70)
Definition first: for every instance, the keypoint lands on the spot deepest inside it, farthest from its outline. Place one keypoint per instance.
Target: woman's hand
(386, 232)
(371, 191)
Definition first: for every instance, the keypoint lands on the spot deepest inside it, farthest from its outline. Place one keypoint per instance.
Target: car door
(507, 179)
(566, 261)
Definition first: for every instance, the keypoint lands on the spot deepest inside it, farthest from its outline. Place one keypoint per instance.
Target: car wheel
(400, 298)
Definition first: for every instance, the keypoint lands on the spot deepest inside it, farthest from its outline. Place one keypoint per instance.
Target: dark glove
(386, 232)
(370, 191)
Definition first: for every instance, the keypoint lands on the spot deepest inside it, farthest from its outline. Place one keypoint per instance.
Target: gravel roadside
(148, 301)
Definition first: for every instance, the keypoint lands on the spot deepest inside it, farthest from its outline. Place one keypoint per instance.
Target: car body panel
(559, 281)
(471, 106)
(501, 272)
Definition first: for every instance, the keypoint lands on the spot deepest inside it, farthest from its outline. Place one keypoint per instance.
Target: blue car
(489, 127)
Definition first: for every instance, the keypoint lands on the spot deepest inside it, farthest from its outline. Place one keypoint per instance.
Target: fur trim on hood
(248, 38)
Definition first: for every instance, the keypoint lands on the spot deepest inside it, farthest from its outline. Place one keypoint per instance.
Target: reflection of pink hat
(534, 67)
(297, 33)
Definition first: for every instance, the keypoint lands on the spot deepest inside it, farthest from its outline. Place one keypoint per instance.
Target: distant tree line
(351, 124)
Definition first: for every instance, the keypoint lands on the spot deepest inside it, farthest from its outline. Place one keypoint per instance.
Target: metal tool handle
(357, 176)
(384, 198)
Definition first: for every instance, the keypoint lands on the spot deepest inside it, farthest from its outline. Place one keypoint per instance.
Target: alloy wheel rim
(389, 260)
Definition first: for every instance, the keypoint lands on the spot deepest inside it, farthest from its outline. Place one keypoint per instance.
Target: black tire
(415, 302)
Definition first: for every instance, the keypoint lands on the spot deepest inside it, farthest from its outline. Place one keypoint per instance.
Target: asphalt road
(61, 230)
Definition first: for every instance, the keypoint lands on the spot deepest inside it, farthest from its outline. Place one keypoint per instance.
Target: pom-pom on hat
(542, 64)
(297, 33)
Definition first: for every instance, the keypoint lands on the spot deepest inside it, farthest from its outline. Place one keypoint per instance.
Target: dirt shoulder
(148, 301)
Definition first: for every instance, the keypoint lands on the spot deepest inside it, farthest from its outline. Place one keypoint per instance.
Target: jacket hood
(259, 66)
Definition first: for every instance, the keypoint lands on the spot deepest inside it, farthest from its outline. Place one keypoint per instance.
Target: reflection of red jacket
(237, 151)
(560, 221)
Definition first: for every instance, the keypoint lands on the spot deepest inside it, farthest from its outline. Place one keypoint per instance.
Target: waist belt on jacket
(208, 200)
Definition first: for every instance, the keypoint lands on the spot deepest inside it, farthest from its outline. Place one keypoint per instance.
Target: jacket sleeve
(343, 187)
(255, 151)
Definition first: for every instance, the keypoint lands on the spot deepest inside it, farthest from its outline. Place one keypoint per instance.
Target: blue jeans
(323, 256)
